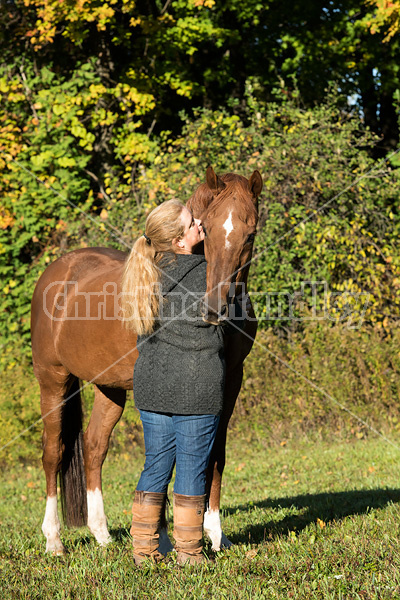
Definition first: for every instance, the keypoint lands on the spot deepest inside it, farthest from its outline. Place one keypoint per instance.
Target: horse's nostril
(223, 310)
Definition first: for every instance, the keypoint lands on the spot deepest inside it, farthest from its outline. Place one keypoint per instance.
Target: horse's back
(75, 318)
(79, 263)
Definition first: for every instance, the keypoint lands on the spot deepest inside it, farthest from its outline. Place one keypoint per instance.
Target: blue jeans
(184, 440)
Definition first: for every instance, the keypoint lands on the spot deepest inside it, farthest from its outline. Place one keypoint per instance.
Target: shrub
(321, 380)
(328, 212)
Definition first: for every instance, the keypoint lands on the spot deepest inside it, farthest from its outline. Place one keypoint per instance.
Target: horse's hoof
(103, 539)
(100, 533)
(57, 549)
(212, 528)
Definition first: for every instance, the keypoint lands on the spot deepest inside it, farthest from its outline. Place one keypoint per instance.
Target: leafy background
(109, 108)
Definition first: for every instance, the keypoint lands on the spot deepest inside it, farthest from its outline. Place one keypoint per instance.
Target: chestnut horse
(77, 334)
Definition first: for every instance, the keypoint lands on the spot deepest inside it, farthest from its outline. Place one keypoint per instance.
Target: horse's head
(228, 208)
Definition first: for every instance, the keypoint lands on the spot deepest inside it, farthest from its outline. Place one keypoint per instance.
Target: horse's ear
(255, 184)
(214, 182)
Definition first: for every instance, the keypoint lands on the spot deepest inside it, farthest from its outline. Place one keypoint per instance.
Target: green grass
(309, 519)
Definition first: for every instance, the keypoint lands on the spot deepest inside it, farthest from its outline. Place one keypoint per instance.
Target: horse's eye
(250, 238)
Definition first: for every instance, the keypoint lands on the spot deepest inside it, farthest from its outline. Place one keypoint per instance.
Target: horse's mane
(203, 199)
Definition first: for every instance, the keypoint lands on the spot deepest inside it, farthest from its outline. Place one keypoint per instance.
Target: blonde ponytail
(141, 277)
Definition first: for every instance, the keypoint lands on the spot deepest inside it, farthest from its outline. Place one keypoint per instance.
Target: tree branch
(99, 183)
(165, 7)
(28, 92)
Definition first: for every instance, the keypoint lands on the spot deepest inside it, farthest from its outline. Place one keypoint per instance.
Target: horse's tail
(72, 474)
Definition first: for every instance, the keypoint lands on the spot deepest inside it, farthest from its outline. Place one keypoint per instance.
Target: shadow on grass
(330, 506)
(121, 534)
(327, 507)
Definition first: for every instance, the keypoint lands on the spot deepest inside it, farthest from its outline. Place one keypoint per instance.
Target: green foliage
(90, 121)
(292, 387)
(188, 53)
(20, 423)
(45, 150)
(321, 380)
(327, 213)
(50, 126)
(386, 16)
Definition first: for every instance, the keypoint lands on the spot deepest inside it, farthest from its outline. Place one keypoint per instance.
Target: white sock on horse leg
(213, 529)
(51, 527)
(97, 521)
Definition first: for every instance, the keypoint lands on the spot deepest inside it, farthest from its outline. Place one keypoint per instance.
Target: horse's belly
(102, 352)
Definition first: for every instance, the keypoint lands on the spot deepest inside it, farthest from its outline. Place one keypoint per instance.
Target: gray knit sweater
(181, 367)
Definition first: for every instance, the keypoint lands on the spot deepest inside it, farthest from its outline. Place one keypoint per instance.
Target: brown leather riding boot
(188, 528)
(147, 512)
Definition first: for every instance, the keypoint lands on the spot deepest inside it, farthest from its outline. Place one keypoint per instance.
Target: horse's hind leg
(108, 407)
(54, 384)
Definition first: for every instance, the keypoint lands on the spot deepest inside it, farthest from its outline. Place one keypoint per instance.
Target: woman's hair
(140, 289)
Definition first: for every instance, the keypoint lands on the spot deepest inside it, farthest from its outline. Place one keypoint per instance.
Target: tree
(306, 45)
(187, 53)
(386, 16)
(90, 92)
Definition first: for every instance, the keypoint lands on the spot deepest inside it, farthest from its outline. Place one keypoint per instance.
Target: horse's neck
(245, 277)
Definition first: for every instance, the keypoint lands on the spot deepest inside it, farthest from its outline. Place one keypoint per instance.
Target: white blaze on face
(228, 226)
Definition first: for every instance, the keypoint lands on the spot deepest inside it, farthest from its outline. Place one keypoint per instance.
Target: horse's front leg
(212, 519)
(108, 407)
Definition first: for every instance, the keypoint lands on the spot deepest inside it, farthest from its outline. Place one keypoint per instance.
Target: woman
(178, 378)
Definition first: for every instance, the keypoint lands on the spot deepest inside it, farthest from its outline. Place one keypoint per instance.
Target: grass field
(309, 519)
